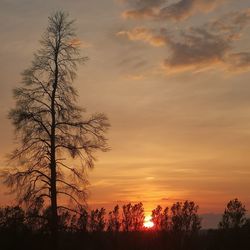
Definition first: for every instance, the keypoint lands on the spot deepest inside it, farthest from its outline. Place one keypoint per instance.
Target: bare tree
(50, 127)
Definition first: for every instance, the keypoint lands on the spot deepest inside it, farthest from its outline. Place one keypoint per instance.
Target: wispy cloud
(145, 35)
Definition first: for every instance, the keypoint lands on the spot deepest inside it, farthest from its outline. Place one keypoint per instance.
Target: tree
(127, 217)
(138, 216)
(12, 219)
(133, 217)
(97, 221)
(35, 219)
(165, 218)
(160, 219)
(157, 217)
(50, 127)
(234, 215)
(113, 220)
(82, 221)
(185, 218)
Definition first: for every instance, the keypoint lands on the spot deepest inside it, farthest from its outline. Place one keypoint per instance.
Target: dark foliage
(234, 215)
(29, 229)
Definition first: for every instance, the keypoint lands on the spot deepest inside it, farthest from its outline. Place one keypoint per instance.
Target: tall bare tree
(50, 127)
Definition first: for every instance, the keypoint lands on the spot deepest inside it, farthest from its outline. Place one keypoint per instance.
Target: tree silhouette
(165, 220)
(97, 220)
(138, 216)
(234, 215)
(50, 127)
(157, 217)
(127, 217)
(160, 219)
(35, 218)
(184, 218)
(12, 218)
(113, 220)
(133, 217)
(82, 221)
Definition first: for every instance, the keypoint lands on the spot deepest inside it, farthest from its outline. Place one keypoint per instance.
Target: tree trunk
(54, 215)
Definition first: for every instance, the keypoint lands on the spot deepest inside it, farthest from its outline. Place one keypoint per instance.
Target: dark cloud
(144, 3)
(213, 44)
(231, 24)
(210, 45)
(162, 10)
(239, 61)
(197, 48)
(142, 8)
(186, 8)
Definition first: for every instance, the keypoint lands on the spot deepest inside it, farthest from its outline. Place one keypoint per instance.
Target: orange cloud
(135, 77)
(145, 35)
(139, 14)
(79, 43)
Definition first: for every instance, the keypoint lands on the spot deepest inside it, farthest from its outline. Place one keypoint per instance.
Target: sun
(147, 222)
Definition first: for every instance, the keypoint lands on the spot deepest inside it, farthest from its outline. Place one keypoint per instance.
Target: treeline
(180, 217)
(176, 227)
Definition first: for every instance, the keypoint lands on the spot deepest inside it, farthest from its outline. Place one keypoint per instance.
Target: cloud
(79, 43)
(239, 61)
(135, 77)
(198, 48)
(186, 8)
(232, 22)
(161, 10)
(211, 45)
(142, 9)
(145, 35)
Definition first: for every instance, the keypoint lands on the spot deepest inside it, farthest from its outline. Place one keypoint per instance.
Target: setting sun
(147, 222)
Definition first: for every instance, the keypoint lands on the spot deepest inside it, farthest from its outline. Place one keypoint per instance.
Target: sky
(173, 78)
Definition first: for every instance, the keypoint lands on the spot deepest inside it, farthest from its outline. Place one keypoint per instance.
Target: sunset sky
(174, 79)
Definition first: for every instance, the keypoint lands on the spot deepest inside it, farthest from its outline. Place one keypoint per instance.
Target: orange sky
(173, 78)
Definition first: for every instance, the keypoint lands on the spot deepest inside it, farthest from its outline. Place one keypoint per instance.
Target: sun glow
(147, 222)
